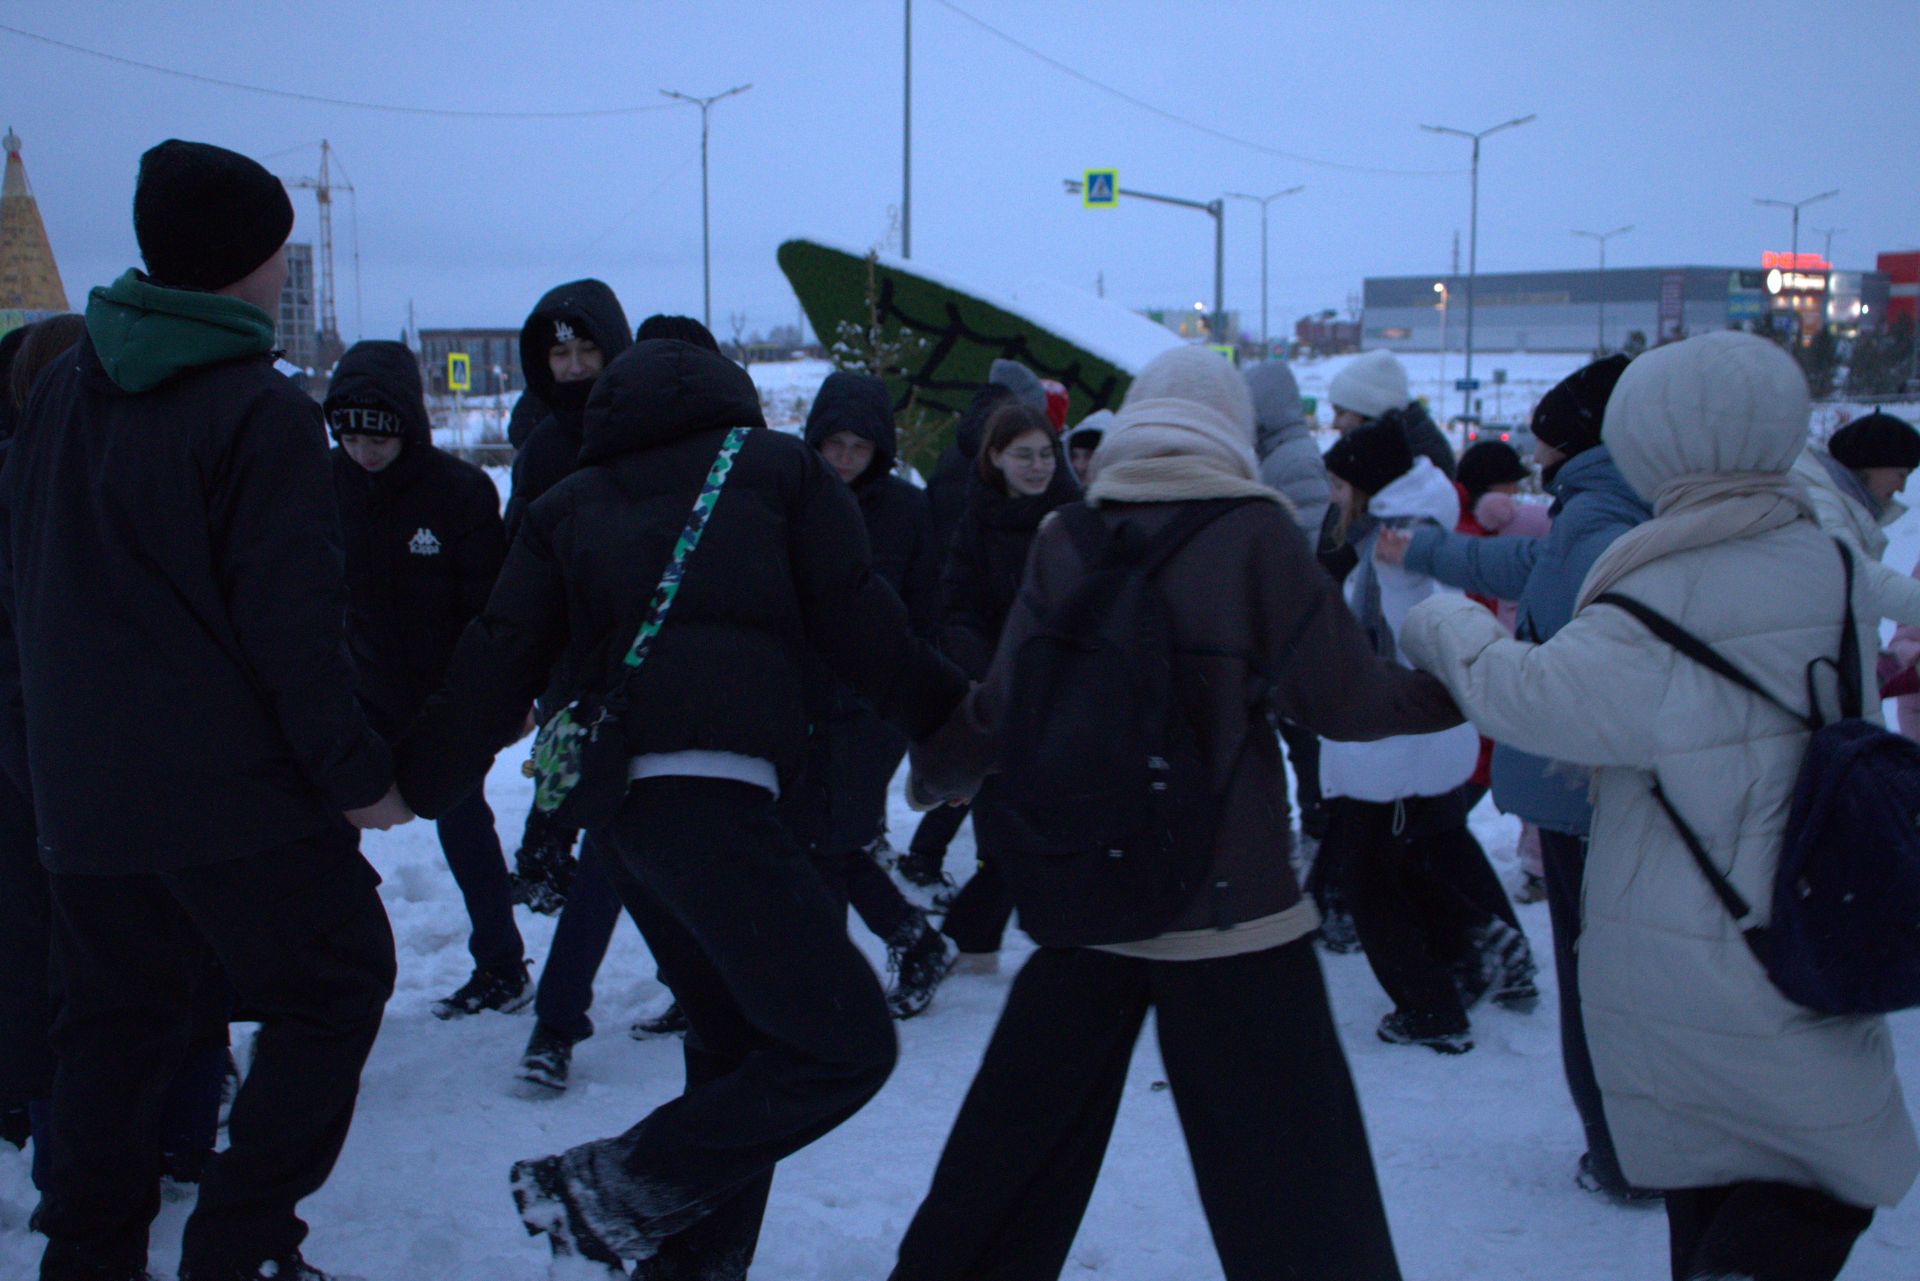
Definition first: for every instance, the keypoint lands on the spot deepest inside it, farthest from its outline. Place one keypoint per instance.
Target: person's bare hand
(1390, 548)
(388, 811)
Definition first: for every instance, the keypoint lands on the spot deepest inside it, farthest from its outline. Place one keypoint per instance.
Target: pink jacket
(1506, 516)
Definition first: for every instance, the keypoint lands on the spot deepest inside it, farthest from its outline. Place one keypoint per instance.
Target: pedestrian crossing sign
(1100, 189)
(459, 371)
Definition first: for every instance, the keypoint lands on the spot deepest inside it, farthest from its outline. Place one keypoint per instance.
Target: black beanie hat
(205, 216)
(1372, 457)
(1490, 463)
(678, 328)
(1569, 416)
(1878, 440)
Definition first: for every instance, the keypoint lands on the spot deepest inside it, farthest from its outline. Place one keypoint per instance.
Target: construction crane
(323, 188)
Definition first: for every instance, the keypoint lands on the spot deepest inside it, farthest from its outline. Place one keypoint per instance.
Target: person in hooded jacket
(1373, 388)
(1019, 479)
(1084, 441)
(569, 337)
(856, 752)
(424, 543)
(1593, 507)
(1774, 1129)
(528, 411)
(789, 1032)
(1290, 464)
(1852, 484)
(1438, 930)
(1272, 1124)
(170, 564)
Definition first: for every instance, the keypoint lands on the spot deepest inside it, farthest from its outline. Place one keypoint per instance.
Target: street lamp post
(1829, 233)
(706, 254)
(906, 145)
(1473, 237)
(1217, 208)
(1601, 238)
(1266, 343)
(1439, 287)
(1796, 206)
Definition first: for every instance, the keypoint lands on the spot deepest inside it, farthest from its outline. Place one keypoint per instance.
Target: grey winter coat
(1289, 455)
(1592, 506)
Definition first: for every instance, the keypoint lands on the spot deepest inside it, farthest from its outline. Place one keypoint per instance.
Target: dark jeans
(977, 918)
(848, 815)
(480, 870)
(1273, 1127)
(938, 827)
(1761, 1232)
(789, 1034)
(26, 1065)
(1564, 859)
(1417, 882)
(580, 940)
(302, 935)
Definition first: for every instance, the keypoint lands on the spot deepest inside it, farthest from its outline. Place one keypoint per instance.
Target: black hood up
(591, 308)
(857, 403)
(661, 390)
(379, 371)
(970, 430)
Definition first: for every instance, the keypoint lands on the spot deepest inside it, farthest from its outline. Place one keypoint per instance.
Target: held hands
(1390, 548)
(387, 812)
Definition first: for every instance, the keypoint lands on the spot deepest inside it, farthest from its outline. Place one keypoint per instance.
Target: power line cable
(1185, 121)
(395, 108)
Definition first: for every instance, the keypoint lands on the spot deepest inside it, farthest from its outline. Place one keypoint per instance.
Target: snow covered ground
(1476, 1154)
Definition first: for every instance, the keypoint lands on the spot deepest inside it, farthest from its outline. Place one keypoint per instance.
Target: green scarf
(145, 334)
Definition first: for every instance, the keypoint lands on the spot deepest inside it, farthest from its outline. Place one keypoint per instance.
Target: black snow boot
(290, 1268)
(544, 864)
(502, 990)
(922, 868)
(671, 1021)
(546, 1205)
(545, 1065)
(1442, 1036)
(919, 958)
(1499, 967)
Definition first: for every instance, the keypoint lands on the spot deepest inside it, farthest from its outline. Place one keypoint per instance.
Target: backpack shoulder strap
(1849, 662)
(1699, 651)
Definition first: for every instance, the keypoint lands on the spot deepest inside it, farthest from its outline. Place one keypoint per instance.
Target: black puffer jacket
(782, 571)
(952, 478)
(178, 599)
(423, 539)
(894, 509)
(528, 412)
(552, 450)
(984, 566)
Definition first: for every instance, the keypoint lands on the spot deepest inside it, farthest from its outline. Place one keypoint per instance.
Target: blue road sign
(1466, 384)
(1100, 189)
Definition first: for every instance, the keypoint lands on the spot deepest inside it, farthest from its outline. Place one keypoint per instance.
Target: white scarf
(1699, 510)
(1173, 478)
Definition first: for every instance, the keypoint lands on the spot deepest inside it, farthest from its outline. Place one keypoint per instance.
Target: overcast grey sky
(1671, 116)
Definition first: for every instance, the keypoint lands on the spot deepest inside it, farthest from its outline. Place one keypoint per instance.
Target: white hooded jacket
(1895, 595)
(1394, 769)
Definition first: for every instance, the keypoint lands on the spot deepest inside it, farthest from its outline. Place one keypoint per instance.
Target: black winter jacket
(953, 474)
(894, 509)
(781, 572)
(552, 448)
(174, 565)
(985, 564)
(528, 412)
(423, 538)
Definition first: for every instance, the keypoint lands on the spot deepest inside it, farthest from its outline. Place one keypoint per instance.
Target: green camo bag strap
(581, 743)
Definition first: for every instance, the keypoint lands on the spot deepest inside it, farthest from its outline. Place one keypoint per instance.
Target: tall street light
(1796, 206)
(906, 144)
(1829, 233)
(1440, 287)
(1473, 237)
(1601, 238)
(1217, 209)
(1266, 345)
(706, 252)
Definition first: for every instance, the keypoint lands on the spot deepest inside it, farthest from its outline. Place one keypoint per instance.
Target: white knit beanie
(1187, 401)
(1371, 385)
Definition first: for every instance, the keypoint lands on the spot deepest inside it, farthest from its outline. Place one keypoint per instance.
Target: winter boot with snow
(1511, 956)
(1440, 1036)
(671, 1021)
(544, 1067)
(288, 1268)
(544, 865)
(1532, 888)
(502, 990)
(922, 868)
(919, 958)
(546, 1205)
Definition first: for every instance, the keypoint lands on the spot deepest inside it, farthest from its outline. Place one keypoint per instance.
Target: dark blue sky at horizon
(1669, 117)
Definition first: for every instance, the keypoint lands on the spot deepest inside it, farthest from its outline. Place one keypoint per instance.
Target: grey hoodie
(1289, 455)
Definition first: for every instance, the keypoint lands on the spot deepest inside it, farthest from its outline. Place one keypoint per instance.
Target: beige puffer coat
(1709, 1075)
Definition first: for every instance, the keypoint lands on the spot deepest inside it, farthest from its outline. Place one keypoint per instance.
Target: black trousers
(1761, 1232)
(26, 1064)
(788, 1032)
(580, 939)
(1417, 882)
(472, 847)
(1564, 859)
(864, 752)
(977, 918)
(302, 935)
(938, 827)
(1273, 1127)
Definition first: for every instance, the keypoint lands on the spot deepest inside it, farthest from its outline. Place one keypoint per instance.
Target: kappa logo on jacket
(424, 543)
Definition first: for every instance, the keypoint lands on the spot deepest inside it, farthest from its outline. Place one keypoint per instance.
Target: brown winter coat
(1258, 630)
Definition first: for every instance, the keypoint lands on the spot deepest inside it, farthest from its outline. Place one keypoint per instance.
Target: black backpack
(1101, 811)
(1845, 935)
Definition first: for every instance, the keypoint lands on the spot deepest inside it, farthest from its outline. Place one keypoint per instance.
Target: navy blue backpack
(1845, 934)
